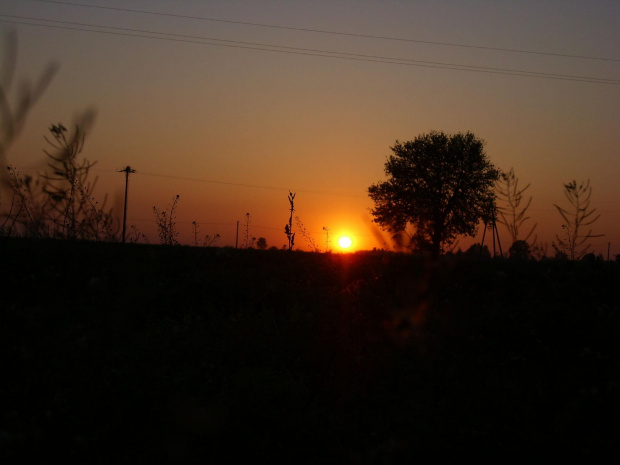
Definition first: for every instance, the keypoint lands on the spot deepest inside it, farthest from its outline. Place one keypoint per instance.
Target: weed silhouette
(166, 224)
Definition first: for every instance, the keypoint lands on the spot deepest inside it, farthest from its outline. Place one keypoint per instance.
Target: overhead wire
(111, 30)
(255, 186)
(322, 31)
(223, 183)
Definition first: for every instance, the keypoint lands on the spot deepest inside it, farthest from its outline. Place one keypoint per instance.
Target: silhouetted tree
(441, 184)
(261, 243)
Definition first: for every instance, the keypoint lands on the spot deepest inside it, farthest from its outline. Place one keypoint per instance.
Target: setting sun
(345, 242)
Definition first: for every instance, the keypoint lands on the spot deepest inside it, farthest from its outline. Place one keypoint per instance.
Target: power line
(307, 52)
(254, 186)
(338, 33)
(335, 54)
(224, 183)
(200, 223)
(284, 189)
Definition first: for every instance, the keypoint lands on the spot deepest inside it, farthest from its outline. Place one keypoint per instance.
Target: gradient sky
(261, 122)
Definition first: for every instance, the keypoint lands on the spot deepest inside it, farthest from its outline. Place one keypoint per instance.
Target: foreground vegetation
(136, 353)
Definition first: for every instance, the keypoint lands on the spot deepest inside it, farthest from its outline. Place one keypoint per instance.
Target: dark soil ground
(151, 354)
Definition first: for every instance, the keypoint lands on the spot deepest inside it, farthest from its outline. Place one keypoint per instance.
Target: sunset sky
(231, 104)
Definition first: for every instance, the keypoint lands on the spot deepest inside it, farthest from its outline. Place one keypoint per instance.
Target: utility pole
(126, 170)
(237, 237)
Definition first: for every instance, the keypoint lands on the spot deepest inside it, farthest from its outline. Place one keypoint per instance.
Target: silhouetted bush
(520, 250)
(477, 251)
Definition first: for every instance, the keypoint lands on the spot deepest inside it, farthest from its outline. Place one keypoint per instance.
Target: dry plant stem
(210, 240)
(58, 204)
(195, 226)
(29, 214)
(12, 119)
(10, 216)
(69, 207)
(61, 204)
(326, 229)
(513, 215)
(288, 228)
(135, 236)
(304, 232)
(249, 241)
(165, 221)
(580, 215)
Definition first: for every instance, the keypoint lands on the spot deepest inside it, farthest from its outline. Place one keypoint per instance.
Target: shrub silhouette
(60, 204)
(520, 250)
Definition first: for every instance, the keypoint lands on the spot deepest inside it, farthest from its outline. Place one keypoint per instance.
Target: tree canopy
(441, 184)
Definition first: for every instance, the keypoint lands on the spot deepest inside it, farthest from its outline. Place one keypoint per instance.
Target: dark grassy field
(143, 354)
